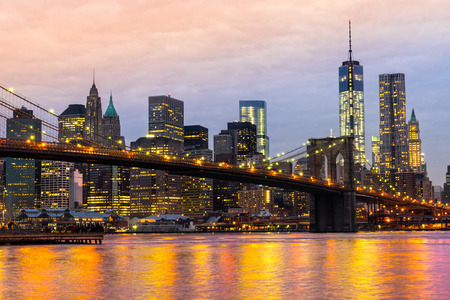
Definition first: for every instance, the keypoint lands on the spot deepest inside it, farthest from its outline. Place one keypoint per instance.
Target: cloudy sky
(212, 53)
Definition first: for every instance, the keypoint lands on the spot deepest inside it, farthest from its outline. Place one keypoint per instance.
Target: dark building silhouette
(225, 147)
(195, 137)
(111, 127)
(22, 175)
(232, 146)
(246, 139)
(446, 191)
(93, 123)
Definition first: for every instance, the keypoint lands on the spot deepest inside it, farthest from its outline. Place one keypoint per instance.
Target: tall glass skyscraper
(393, 129)
(255, 112)
(351, 103)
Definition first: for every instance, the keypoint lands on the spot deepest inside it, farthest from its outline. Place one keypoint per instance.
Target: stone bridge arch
(331, 148)
(331, 212)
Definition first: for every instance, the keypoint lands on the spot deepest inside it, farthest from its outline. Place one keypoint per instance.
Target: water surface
(399, 265)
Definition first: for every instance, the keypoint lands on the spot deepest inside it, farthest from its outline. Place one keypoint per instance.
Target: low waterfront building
(162, 223)
(59, 219)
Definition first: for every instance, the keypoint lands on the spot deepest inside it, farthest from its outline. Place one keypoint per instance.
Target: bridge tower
(333, 212)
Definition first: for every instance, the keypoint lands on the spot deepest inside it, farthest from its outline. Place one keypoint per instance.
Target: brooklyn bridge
(332, 201)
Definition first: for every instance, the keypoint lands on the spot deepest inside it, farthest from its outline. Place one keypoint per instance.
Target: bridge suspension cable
(11, 101)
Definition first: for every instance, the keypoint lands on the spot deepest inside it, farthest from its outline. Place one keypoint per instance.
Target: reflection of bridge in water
(332, 206)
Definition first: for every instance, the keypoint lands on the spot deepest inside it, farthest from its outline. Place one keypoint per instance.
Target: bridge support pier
(333, 213)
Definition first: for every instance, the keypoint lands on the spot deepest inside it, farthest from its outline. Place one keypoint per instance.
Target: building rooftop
(74, 109)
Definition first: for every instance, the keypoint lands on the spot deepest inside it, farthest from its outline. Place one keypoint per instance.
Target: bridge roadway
(191, 167)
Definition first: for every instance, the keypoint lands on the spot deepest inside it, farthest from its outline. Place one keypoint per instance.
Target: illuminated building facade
(255, 112)
(351, 104)
(108, 188)
(166, 117)
(93, 121)
(22, 180)
(71, 124)
(414, 144)
(393, 129)
(195, 137)
(197, 193)
(246, 139)
(256, 200)
(376, 154)
(155, 191)
(55, 184)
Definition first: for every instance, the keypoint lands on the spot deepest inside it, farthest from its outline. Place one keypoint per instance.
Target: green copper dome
(110, 111)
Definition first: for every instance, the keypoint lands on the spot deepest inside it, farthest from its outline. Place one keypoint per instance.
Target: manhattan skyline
(212, 55)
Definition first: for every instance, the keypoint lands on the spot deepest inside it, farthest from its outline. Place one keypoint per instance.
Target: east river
(414, 265)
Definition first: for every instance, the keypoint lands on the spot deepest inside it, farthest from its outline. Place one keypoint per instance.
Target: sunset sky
(211, 54)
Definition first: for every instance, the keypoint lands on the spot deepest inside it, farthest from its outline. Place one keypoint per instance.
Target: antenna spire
(350, 40)
(93, 75)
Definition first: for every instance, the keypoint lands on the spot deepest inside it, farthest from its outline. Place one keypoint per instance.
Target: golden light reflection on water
(259, 272)
(34, 271)
(233, 266)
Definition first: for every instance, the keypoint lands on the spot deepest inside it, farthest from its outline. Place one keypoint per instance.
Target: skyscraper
(156, 191)
(197, 192)
(375, 154)
(166, 117)
(71, 124)
(195, 137)
(255, 112)
(55, 184)
(351, 103)
(393, 131)
(225, 147)
(93, 122)
(111, 127)
(246, 139)
(22, 175)
(71, 130)
(414, 144)
(446, 190)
